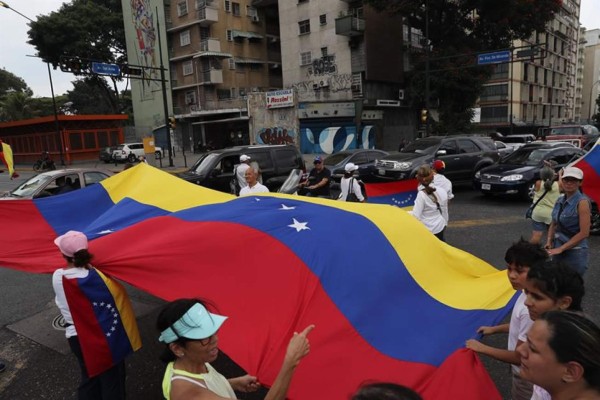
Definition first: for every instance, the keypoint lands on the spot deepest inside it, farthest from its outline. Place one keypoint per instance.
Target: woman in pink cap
(110, 384)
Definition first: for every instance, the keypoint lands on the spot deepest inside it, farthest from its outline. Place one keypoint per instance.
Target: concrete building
(539, 90)
(591, 74)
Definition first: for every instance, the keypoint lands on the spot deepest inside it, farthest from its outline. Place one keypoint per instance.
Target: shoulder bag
(351, 196)
(529, 211)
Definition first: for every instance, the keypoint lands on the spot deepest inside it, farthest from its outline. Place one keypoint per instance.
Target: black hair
(556, 279)
(385, 391)
(170, 314)
(80, 259)
(525, 254)
(573, 337)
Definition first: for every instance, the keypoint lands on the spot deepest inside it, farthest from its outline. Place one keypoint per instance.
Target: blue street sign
(493, 58)
(106, 69)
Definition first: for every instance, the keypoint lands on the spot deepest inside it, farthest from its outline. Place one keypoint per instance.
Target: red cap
(438, 165)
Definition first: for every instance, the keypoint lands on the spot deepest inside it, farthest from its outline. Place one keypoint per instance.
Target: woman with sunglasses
(190, 332)
(570, 226)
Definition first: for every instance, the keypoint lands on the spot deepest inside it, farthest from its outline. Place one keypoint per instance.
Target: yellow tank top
(213, 381)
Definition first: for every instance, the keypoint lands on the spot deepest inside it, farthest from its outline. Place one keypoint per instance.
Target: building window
(182, 8)
(233, 93)
(323, 19)
(188, 68)
(302, 1)
(304, 27)
(190, 98)
(495, 92)
(323, 51)
(231, 63)
(184, 38)
(494, 114)
(229, 35)
(235, 9)
(255, 67)
(227, 6)
(251, 11)
(305, 58)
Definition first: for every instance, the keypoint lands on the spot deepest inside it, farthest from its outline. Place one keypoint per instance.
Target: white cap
(573, 172)
(244, 158)
(350, 167)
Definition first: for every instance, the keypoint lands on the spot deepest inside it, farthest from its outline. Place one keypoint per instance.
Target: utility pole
(164, 91)
(427, 55)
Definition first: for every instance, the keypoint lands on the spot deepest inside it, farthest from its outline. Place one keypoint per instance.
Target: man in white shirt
(253, 186)
(240, 171)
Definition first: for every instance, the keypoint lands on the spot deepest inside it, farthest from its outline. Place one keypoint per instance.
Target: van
(215, 169)
(578, 135)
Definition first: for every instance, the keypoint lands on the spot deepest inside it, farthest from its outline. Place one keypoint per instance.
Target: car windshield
(517, 139)
(204, 163)
(525, 156)
(565, 130)
(29, 187)
(335, 159)
(424, 146)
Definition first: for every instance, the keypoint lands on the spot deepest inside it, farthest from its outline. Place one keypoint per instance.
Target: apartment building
(591, 74)
(542, 89)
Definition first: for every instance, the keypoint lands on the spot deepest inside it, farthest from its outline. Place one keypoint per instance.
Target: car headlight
(478, 175)
(512, 178)
(402, 166)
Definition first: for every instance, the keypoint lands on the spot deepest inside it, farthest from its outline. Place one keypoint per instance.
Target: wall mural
(276, 135)
(321, 138)
(146, 36)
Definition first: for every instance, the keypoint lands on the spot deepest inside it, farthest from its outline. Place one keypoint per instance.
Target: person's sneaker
(2, 366)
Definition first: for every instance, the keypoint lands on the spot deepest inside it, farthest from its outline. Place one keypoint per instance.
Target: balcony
(263, 3)
(211, 77)
(207, 16)
(349, 26)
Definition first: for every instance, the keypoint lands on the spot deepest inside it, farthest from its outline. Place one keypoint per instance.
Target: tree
(16, 106)
(458, 29)
(9, 82)
(88, 29)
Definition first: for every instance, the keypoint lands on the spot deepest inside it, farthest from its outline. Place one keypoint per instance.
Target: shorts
(576, 258)
(539, 226)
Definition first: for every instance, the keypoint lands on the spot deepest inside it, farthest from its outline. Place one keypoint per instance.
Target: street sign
(106, 69)
(493, 58)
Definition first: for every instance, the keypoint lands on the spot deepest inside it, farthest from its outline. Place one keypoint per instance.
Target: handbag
(529, 211)
(351, 196)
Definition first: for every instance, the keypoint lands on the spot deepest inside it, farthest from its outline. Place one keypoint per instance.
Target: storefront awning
(247, 35)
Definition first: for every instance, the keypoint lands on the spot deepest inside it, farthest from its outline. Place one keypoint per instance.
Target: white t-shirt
(519, 326)
(258, 188)
(540, 394)
(59, 291)
(345, 188)
(240, 173)
(426, 210)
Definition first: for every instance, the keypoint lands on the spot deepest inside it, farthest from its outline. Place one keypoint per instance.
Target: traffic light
(128, 70)
(424, 115)
(172, 122)
(74, 65)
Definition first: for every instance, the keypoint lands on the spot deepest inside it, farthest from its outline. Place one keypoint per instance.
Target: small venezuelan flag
(104, 320)
(6, 158)
(397, 193)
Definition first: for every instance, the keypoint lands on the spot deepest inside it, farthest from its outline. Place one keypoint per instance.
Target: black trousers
(109, 385)
(440, 235)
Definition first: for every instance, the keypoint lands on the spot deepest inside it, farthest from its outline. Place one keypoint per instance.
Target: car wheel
(131, 158)
(529, 191)
(595, 223)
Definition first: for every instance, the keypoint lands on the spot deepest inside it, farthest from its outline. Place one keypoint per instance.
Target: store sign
(280, 98)
(326, 110)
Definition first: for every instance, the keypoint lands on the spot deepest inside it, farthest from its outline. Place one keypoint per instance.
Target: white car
(132, 151)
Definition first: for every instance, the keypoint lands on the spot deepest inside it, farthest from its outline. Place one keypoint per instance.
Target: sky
(14, 50)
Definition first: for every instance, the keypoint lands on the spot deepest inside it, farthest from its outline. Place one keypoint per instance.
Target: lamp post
(56, 126)
(592, 105)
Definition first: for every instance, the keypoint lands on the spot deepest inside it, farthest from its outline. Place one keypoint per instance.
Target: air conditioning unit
(316, 86)
(324, 84)
(255, 18)
(401, 94)
(388, 103)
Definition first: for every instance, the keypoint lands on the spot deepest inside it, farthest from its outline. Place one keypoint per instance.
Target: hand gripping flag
(104, 320)
(6, 158)
(389, 300)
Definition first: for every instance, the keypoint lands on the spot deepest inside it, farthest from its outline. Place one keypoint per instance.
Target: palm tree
(16, 106)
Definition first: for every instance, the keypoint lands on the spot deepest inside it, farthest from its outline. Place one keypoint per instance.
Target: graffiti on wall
(145, 32)
(319, 138)
(276, 135)
(323, 66)
(334, 83)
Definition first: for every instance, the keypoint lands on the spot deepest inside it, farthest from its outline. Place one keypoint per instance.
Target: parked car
(579, 135)
(45, 184)
(364, 158)
(106, 154)
(132, 151)
(516, 173)
(504, 149)
(463, 156)
(517, 140)
(215, 169)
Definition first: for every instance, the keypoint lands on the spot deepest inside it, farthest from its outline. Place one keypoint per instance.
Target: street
(39, 364)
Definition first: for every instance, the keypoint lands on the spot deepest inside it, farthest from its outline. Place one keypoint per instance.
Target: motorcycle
(290, 186)
(45, 163)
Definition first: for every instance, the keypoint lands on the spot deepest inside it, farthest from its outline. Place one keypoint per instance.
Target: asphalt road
(485, 227)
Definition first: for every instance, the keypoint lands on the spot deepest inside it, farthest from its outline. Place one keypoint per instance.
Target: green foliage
(91, 95)
(458, 30)
(9, 82)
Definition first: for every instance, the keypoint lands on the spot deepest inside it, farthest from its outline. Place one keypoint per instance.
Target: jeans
(575, 258)
(109, 385)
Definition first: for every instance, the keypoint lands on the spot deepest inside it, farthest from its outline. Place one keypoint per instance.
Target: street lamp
(56, 127)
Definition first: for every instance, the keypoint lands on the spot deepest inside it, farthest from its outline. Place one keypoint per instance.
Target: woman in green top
(190, 333)
(542, 213)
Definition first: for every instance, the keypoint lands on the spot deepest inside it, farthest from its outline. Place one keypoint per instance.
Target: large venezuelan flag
(104, 319)
(390, 302)
(590, 165)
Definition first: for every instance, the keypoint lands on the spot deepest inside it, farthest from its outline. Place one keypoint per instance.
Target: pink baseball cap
(71, 242)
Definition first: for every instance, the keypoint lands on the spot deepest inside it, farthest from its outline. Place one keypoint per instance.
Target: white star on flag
(299, 226)
(105, 232)
(286, 208)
